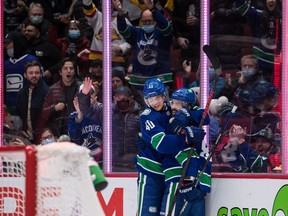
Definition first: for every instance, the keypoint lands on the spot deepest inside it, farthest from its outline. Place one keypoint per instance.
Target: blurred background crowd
(51, 46)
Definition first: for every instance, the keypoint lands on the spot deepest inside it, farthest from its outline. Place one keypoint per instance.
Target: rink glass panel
(240, 43)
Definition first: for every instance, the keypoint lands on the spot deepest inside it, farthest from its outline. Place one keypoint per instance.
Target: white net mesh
(12, 183)
(64, 185)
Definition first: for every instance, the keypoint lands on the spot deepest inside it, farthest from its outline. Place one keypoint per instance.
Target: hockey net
(51, 180)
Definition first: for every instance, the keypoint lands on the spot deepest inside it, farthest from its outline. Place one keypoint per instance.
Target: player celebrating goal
(155, 172)
(186, 114)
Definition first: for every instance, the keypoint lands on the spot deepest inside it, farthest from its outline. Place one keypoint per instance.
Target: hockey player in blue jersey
(186, 114)
(156, 164)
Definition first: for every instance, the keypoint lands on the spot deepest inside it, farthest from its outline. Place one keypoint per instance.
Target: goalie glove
(180, 120)
(194, 136)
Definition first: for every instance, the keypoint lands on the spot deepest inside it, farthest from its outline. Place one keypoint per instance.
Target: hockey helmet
(249, 97)
(266, 89)
(185, 95)
(153, 87)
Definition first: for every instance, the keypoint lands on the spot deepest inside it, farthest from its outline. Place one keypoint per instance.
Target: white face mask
(36, 20)
(148, 28)
(10, 52)
(73, 34)
(48, 141)
(248, 72)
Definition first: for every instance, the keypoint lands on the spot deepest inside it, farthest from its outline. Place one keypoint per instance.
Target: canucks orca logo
(268, 43)
(147, 56)
(93, 144)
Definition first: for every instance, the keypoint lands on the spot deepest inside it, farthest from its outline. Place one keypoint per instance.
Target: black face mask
(123, 105)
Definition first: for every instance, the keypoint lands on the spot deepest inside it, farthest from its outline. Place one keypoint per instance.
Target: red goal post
(47, 180)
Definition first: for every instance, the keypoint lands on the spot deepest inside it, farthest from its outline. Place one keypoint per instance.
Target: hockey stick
(217, 67)
(211, 154)
(216, 144)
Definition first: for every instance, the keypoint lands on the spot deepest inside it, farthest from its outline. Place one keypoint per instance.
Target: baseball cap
(123, 90)
(265, 133)
(8, 38)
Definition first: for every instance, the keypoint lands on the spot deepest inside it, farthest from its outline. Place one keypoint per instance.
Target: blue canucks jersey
(158, 143)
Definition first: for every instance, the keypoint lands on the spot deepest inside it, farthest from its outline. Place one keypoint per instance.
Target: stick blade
(212, 57)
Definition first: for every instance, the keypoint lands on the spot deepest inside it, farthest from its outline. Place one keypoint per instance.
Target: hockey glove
(181, 119)
(190, 193)
(194, 136)
(140, 143)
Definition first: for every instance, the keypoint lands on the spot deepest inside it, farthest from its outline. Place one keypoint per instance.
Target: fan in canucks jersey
(150, 44)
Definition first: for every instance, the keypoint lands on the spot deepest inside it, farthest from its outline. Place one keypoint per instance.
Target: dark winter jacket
(37, 99)
(126, 127)
(58, 92)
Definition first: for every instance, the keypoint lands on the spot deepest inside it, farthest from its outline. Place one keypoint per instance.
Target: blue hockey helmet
(185, 95)
(249, 97)
(153, 87)
(266, 89)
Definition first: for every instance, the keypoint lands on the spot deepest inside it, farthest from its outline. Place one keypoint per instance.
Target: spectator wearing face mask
(220, 82)
(48, 136)
(266, 27)
(74, 45)
(244, 79)
(36, 17)
(125, 123)
(151, 44)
